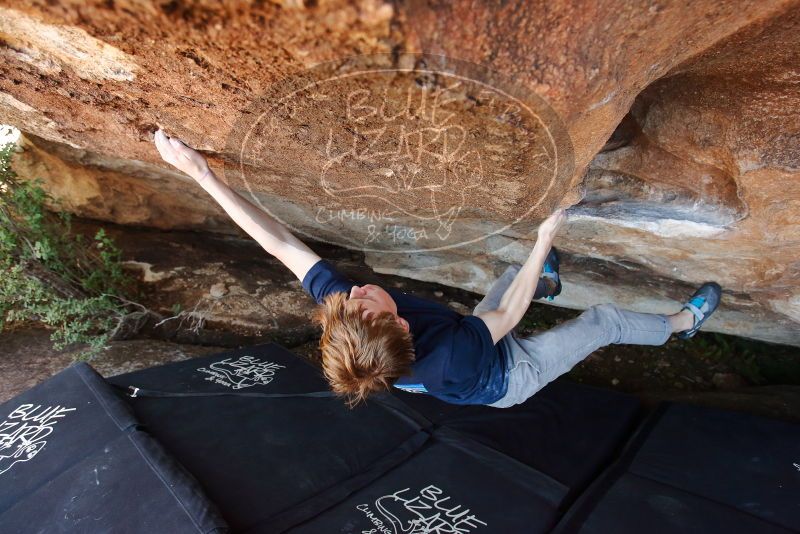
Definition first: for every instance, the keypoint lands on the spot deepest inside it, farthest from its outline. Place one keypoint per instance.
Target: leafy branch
(70, 283)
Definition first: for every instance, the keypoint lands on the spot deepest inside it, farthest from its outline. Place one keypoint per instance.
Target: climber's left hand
(176, 153)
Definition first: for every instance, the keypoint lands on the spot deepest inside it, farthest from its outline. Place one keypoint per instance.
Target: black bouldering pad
(300, 462)
(452, 485)
(73, 459)
(272, 464)
(696, 469)
(269, 463)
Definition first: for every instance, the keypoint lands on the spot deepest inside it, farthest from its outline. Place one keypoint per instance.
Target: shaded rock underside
(680, 122)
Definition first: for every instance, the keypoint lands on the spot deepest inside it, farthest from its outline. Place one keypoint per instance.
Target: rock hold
(218, 290)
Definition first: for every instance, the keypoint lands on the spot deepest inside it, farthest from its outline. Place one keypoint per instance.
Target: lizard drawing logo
(23, 432)
(429, 511)
(242, 372)
(417, 153)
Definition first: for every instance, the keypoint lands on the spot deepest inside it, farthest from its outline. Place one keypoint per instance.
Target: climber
(375, 338)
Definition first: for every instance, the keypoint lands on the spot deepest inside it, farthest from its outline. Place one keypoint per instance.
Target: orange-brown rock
(680, 122)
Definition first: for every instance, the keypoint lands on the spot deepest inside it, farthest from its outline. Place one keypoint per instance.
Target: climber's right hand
(550, 226)
(180, 156)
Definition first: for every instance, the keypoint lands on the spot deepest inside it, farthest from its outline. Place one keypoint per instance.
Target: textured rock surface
(683, 121)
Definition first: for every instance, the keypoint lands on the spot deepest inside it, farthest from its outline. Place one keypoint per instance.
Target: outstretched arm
(274, 237)
(518, 296)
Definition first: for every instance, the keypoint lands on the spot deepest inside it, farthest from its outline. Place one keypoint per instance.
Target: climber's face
(373, 300)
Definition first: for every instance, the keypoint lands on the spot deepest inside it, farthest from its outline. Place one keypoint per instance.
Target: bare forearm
(518, 296)
(269, 233)
(273, 236)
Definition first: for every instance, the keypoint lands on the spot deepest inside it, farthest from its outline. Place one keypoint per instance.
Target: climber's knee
(608, 319)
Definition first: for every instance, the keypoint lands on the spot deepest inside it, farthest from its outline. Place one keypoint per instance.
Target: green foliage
(52, 275)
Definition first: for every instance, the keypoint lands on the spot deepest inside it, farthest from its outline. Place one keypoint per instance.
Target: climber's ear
(404, 324)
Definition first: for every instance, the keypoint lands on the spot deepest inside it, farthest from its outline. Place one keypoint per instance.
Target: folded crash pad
(452, 485)
(73, 459)
(696, 469)
(268, 463)
(273, 464)
(568, 431)
(269, 449)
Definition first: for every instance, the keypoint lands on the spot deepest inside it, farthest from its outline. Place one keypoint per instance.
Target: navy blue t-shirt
(456, 360)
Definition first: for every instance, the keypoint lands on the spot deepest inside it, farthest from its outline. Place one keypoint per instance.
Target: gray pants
(535, 361)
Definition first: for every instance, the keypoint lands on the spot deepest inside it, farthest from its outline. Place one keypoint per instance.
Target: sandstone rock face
(671, 129)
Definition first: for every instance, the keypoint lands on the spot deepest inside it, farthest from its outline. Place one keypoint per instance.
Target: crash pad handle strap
(134, 391)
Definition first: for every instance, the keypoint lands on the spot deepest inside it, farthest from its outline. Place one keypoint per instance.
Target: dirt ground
(224, 292)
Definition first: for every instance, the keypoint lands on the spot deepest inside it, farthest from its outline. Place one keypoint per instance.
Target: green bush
(51, 275)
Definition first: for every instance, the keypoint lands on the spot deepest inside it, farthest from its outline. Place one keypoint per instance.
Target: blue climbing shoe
(550, 270)
(702, 304)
